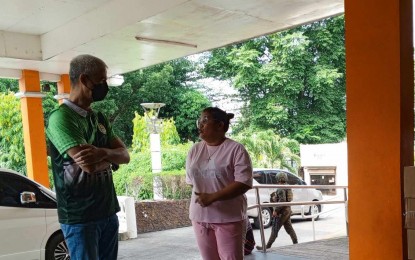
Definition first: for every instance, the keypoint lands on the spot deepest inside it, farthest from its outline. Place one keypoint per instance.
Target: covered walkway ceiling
(44, 35)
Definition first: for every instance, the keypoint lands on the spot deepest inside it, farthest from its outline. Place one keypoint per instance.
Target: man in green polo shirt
(84, 150)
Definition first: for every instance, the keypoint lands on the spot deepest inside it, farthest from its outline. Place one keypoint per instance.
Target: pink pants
(220, 241)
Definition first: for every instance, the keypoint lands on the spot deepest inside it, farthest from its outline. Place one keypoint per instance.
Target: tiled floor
(180, 244)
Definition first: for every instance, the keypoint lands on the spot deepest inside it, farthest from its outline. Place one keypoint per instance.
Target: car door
(251, 199)
(22, 226)
(299, 194)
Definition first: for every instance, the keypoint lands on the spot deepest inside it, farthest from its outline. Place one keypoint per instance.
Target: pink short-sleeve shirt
(228, 162)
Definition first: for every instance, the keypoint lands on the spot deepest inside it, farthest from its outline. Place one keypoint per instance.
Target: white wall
(326, 155)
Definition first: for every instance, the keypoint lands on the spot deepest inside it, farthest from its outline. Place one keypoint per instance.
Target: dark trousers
(283, 219)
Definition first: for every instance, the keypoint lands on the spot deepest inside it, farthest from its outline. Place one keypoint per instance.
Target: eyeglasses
(203, 121)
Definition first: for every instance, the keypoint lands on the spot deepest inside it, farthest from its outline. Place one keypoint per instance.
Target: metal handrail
(260, 205)
(300, 186)
(275, 204)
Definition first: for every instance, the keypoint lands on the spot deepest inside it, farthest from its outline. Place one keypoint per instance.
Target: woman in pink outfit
(220, 172)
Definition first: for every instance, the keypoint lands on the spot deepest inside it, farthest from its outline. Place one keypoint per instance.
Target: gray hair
(84, 64)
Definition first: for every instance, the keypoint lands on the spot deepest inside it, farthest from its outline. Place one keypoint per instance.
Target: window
(294, 180)
(11, 186)
(269, 177)
(8, 195)
(259, 177)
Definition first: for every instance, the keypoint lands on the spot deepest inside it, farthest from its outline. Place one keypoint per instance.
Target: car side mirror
(27, 197)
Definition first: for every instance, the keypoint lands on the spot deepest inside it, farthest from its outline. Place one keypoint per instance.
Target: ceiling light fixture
(115, 81)
(139, 38)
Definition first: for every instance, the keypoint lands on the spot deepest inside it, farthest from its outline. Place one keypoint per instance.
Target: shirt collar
(79, 110)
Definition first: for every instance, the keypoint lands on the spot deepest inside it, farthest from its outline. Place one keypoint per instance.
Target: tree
(49, 103)
(192, 102)
(291, 81)
(12, 154)
(136, 178)
(170, 83)
(9, 85)
(269, 150)
(140, 141)
(168, 136)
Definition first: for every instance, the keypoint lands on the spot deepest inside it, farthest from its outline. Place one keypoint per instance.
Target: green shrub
(140, 185)
(131, 179)
(12, 153)
(174, 157)
(174, 185)
(136, 178)
(168, 136)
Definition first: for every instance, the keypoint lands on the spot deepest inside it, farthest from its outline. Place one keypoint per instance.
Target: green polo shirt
(81, 196)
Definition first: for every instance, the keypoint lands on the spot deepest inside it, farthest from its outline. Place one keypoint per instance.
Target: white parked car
(267, 176)
(29, 224)
(253, 213)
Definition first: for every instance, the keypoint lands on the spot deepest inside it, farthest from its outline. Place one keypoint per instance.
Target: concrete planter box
(161, 215)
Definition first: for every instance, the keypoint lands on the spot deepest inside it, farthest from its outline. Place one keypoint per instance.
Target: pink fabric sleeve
(188, 160)
(243, 167)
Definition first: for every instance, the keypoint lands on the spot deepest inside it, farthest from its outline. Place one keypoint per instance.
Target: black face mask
(100, 91)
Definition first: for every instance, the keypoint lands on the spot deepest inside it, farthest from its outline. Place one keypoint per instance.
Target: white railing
(313, 215)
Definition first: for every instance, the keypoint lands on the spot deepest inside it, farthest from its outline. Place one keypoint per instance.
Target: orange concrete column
(380, 91)
(33, 127)
(64, 87)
